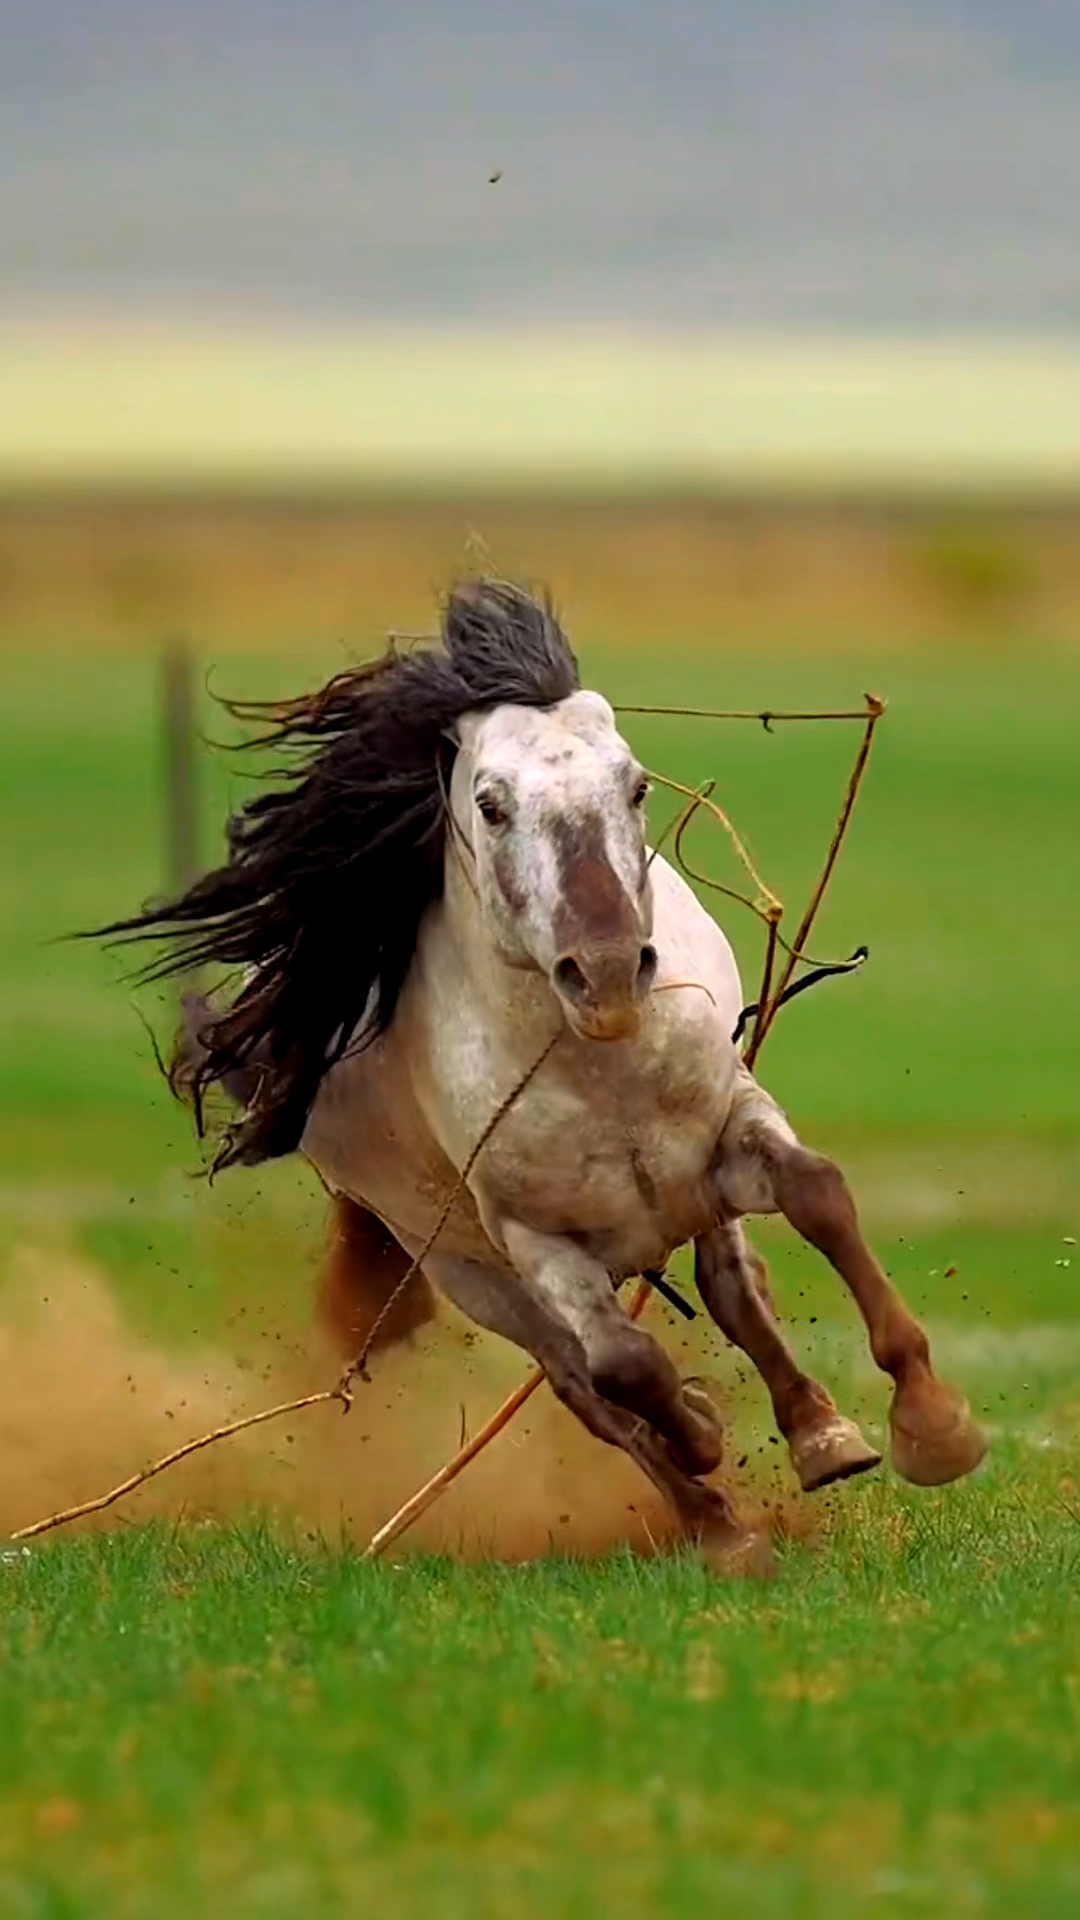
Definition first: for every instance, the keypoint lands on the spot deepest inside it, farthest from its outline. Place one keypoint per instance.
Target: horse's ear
(587, 711)
(465, 729)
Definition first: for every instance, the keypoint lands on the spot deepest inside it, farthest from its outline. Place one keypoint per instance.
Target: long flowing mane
(318, 904)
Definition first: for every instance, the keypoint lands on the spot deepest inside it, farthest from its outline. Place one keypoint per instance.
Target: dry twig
(767, 901)
(136, 1480)
(766, 716)
(871, 714)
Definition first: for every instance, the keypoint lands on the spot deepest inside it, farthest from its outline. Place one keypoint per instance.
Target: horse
(446, 912)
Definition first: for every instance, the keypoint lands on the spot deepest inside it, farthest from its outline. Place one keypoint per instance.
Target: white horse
(454, 885)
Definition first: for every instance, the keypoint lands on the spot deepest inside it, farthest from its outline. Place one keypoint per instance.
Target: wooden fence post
(181, 785)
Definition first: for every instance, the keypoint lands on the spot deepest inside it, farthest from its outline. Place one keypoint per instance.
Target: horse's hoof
(934, 1438)
(737, 1553)
(834, 1450)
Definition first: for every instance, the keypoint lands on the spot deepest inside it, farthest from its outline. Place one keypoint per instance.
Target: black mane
(327, 876)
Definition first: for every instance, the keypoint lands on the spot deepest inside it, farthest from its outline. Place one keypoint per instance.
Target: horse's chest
(631, 1184)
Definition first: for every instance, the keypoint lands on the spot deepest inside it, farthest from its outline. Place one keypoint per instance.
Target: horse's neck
(463, 927)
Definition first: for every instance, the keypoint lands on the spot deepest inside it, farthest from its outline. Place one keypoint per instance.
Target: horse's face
(554, 804)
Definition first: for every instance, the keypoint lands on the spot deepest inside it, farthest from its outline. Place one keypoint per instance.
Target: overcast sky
(782, 163)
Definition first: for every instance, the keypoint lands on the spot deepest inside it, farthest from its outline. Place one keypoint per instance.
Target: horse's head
(552, 805)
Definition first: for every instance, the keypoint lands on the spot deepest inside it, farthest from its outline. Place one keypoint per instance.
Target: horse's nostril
(647, 968)
(569, 977)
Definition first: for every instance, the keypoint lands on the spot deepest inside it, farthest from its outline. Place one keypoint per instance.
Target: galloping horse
(451, 885)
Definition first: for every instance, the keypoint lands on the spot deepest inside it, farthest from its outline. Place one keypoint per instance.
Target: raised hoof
(738, 1554)
(832, 1451)
(934, 1438)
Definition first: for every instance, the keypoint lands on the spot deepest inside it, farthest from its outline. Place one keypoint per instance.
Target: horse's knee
(571, 1381)
(630, 1369)
(621, 1385)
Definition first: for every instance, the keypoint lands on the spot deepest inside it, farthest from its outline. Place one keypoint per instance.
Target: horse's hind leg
(363, 1269)
(626, 1365)
(761, 1168)
(823, 1445)
(705, 1513)
(518, 1311)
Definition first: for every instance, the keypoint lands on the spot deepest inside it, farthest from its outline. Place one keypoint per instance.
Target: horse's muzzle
(603, 991)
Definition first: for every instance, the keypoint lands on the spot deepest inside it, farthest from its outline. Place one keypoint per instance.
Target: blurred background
(753, 333)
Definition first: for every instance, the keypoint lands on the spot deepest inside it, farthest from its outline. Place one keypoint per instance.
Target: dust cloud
(85, 1402)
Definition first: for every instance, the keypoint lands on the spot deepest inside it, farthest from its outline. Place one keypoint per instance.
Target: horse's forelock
(507, 645)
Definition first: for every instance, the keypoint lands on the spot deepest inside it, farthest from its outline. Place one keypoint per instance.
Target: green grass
(221, 1719)
(255, 1721)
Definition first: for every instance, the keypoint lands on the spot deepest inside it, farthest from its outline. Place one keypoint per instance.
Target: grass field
(241, 1714)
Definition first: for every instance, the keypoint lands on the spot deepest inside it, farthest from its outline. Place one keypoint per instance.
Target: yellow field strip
(240, 406)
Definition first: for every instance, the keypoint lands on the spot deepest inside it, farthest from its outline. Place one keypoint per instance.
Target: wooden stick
(426, 1496)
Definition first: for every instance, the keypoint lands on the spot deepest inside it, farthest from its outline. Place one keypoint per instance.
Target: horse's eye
(490, 811)
(641, 793)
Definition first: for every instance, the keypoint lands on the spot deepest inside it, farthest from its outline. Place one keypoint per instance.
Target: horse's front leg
(823, 1445)
(762, 1168)
(610, 1374)
(626, 1365)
